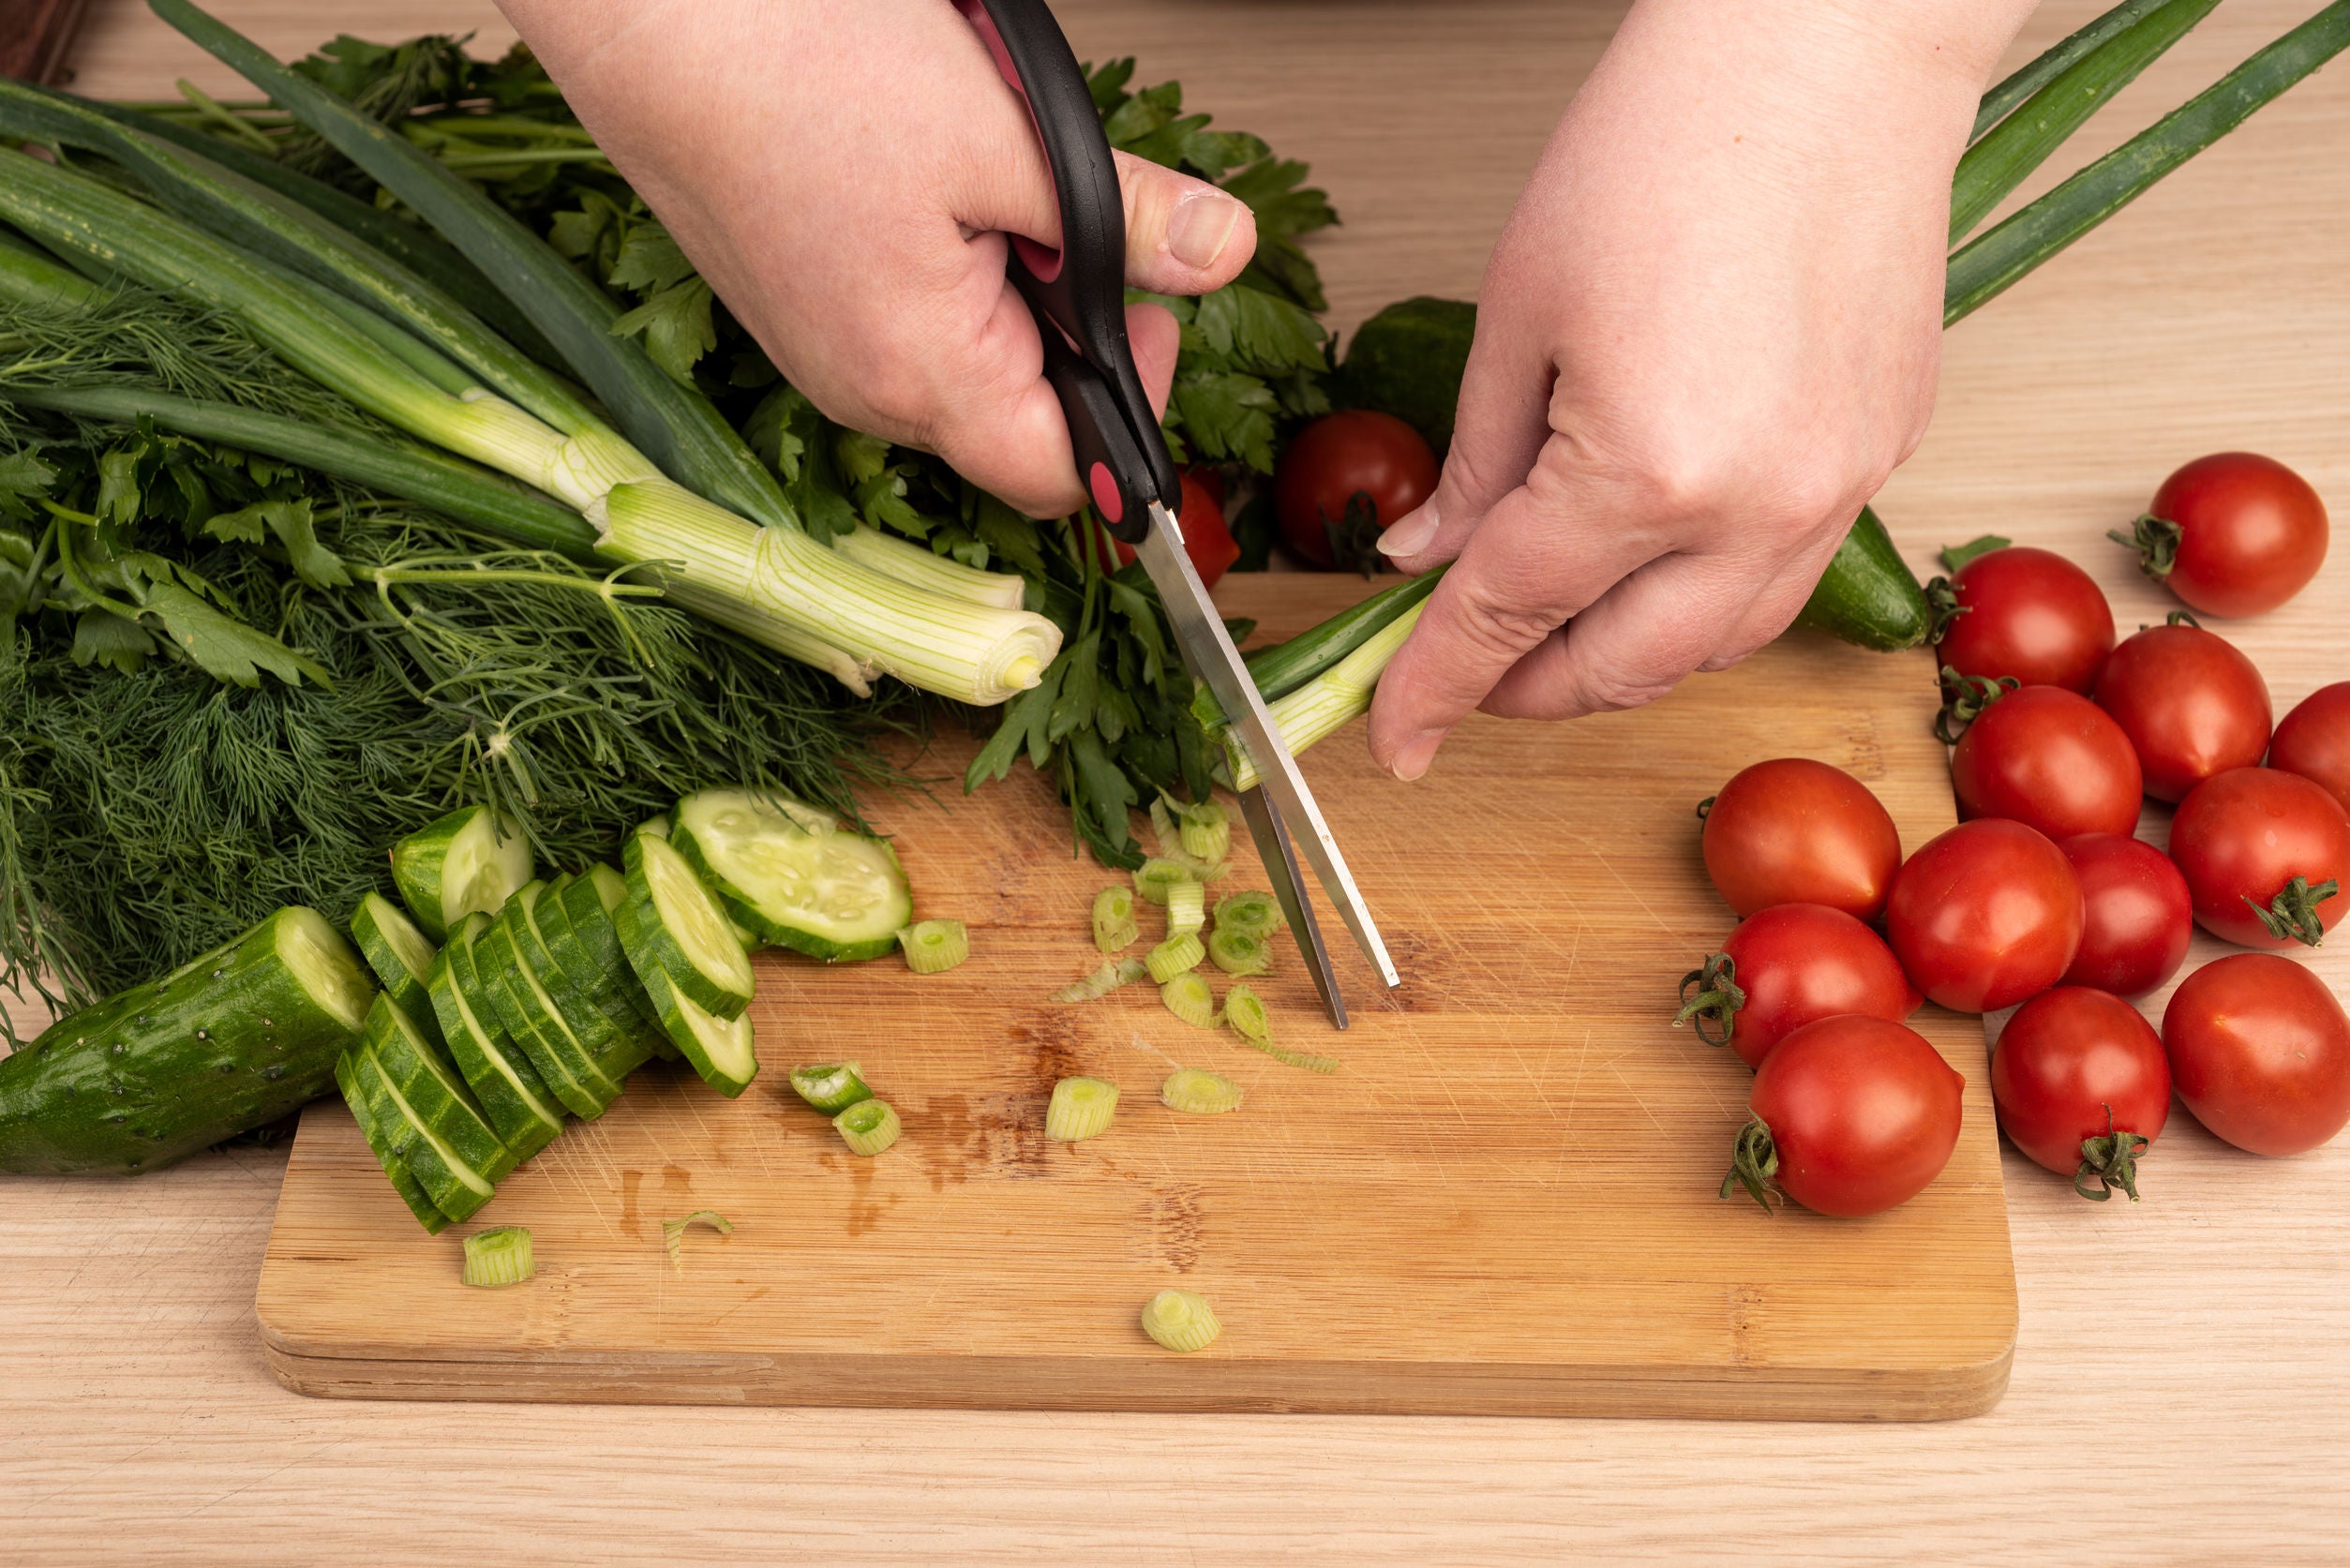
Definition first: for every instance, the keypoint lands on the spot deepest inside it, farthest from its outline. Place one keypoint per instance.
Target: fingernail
(1412, 757)
(1201, 222)
(1410, 536)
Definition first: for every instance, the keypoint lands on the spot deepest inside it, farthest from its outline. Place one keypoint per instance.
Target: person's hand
(1709, 332)
(843, 173)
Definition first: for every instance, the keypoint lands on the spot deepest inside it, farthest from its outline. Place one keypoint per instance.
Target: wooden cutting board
(1503, 1203)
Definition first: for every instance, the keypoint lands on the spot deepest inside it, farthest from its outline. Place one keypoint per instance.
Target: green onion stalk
(1323, 679)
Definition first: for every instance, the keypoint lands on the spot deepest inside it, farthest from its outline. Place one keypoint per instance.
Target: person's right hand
(843, 173)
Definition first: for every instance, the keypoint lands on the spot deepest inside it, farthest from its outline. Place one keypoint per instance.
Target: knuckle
(1498, 624)
(1609, 687)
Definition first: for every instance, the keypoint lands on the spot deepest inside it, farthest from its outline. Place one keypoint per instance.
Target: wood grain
(2181, 1390)
(1504, 1204)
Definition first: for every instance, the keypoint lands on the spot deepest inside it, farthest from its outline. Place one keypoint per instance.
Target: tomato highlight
(1985, 916)
(2190, 702)
(2137, 918)
(2260, 1052)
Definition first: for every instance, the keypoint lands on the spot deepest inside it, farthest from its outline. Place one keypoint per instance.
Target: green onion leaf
(1080, 1108)
(2002, 100)
(499, 1256)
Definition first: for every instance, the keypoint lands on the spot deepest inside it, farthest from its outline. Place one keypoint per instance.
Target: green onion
(1158, 874)
(1238, 953)
(1181, 1321)
(1207, 833)
(673, 1233)
(1080, 1108)
(831, 1087)
(499, 1256)
(1188, 997)
(868, 1126)
(1187, 908)
(1337, 696)
(1113, 926)
(1250, 911)
(909, 563)
(2002, 100)
(1175, 956)
(1285, 666)
(935, 947)
(1198, 1093)
(1117, 972)
(1244, 1010)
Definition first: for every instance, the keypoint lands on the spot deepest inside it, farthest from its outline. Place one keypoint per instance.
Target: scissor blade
(1289, 889)
(1209, 650)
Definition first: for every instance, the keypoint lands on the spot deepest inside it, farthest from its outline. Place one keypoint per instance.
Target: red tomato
(1206, 539)
(1790, 965)
(1340, 457)
(2136, 916)
(2313, 740)
(1792, 830)
(2029, 614)
(2260, 1052)
(2079, 1078)
(1856, 1115)
(2191, 704)
(2236, 533)
(1984, 916)
(2243, 837)
(2051, 759)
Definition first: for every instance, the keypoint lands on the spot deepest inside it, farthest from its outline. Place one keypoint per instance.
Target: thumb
(1499, 424)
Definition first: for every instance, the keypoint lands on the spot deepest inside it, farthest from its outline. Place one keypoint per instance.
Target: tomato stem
(1942, 607)
(2292, 915)
(1716, 1005)
(2155, 539)
(2111, 1161)
(1967, 696)
(1754, 1160)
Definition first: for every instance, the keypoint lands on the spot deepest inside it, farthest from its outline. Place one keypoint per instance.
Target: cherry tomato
(1859, 1113)
(2136, 916)
(1792, 830)
(2031, 615)
(2243, 837)
(2234, 533)
(2313, 740)
(2051, 759)
(2191, 704)
(1340, 457)
(2260, 1052)
(1790, 965)
(2079, 1077)
(1206, 539)
(1984, 916)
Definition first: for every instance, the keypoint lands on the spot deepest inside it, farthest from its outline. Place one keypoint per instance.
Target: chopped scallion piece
(1205, 833)
(1181, 1321)
(1117, 972)
(831, 1087)
(1251, 912)
(1113, 927)
(1187, 996)
(1187, 908)
(935, 947)
(1081, 1109)
(673, 1233)
(1154, 877)
(868, 1126)
(1162, 826)
(499, 1256)
(1197, 1092)
(1175, 956)
(1239, 952)
(1244, 1009)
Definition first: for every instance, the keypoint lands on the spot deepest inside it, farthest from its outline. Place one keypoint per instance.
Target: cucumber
(482, 980)
(232, 1041)
(586, 942)
(471, 859)
(671, 926)
(611, 887)
(400, 957)
(792, 877)
(395, 1164)
(434, 1092)
(1408, 361)
(455, 1188)
(533, 1022)
(721, 1049)
(1868, 595)
(612, 1036)
(512, 1095)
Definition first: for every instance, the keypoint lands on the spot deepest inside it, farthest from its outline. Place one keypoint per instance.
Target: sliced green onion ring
(868, 1126)
(499, 1256)
(1181, 1321)
(673, 1233)
(935, 947)
(1081, 1109)
(1113, 927)
(1187, 996)
(1197, 1092)
(831, 1087)
(1177, 955)
(1206, 830)
(1251, 912)
(1239, 952)
(1154, 877)
(1187, 908)
(1244, 1010)
(1117, 972)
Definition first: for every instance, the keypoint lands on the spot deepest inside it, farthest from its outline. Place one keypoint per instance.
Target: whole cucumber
(239, 1037)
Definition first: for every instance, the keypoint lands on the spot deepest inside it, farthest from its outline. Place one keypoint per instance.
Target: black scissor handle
(1078, 293)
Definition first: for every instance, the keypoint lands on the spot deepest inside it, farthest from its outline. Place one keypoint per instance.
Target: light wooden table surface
(2181, 1390)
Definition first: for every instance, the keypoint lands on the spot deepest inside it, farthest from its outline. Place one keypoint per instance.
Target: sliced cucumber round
(790, 875)
(401, 957)
(722, 1050)
(670, 926)
(433, 1090)
(517, 1101)
(457, 1188)
(471, 859)
(484, 971)
(395, 1164)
